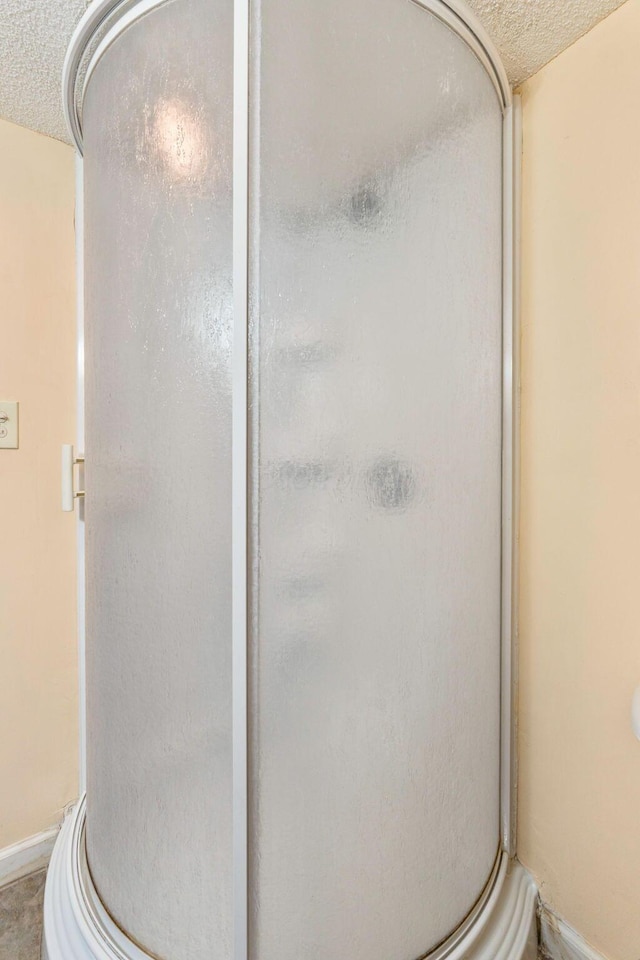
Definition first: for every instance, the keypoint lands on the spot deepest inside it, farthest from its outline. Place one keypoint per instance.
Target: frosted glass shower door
(373, 485)
(376, 254)
(158, 200)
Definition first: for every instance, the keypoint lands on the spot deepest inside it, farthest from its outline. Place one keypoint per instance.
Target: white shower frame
(502, 923)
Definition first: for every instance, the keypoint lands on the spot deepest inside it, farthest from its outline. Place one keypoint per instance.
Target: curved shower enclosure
(297, 357)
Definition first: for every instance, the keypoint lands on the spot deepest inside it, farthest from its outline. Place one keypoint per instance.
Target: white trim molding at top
(95, 20)
(457, 15)
(104, 20)
(559, 941)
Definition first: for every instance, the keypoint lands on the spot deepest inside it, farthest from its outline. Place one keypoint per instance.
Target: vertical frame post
(239, 472)
(80, 583)
(512, 137)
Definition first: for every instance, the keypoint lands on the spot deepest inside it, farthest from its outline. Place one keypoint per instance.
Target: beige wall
(38, 702)
(580, 532)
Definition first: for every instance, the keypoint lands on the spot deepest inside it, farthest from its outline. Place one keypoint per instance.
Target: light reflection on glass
(179, 139)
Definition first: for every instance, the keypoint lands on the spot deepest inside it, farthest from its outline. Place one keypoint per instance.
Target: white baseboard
(27, 856)
(559, 941)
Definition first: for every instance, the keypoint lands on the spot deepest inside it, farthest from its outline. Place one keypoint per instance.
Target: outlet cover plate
(8, 424)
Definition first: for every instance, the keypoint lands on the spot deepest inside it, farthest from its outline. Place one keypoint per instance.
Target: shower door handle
(69, 461)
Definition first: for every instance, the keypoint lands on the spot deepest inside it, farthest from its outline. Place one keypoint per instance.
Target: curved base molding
(77, 927)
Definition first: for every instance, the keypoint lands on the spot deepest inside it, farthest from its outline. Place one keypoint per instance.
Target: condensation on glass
(158, 207)
(374, 481)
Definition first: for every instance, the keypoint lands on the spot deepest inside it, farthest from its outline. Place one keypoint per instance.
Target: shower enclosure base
(77, 927)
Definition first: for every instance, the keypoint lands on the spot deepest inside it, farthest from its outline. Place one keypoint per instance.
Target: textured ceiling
(529, 33)
(33, 39)
(34, 36)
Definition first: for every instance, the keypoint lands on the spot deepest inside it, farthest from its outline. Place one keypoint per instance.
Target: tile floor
(21, 917)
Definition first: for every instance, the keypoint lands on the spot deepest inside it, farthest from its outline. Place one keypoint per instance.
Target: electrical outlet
(8, 424)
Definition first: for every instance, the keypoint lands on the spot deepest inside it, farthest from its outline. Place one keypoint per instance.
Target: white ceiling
(34, 36)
